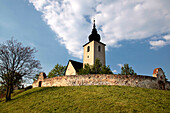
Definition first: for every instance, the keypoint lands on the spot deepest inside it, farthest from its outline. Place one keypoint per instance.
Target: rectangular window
(88, 48)
(99, 48)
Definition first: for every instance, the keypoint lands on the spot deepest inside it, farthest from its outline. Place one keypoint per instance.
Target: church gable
(73, 67)
(70, 69)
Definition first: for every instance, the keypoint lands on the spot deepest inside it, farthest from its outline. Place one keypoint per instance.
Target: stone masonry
(101, 79)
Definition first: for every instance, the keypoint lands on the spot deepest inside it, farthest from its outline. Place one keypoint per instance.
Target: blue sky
(136, 33)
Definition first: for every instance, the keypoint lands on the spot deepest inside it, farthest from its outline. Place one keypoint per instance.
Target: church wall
(70, 70)
(100, 55)
(89, 56)
(102, 79)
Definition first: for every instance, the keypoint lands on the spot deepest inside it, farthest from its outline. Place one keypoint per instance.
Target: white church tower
(94, 49)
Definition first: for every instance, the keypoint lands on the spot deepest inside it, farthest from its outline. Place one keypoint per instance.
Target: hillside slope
(89, 99)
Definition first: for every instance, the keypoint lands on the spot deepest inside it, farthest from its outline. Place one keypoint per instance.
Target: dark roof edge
(74, 61)
(66, 68)
(95, 41)
(76, 65)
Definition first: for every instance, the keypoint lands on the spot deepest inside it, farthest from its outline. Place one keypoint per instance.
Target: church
(94, 49)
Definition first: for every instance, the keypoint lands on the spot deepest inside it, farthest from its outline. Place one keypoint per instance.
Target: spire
(94, 35)
(94, 26)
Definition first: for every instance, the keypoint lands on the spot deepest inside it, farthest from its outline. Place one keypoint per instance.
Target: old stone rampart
(101, 79)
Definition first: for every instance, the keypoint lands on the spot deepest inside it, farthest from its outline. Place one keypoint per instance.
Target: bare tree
(16, 62)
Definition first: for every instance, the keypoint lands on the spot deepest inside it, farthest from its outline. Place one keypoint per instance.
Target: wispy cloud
(167, 37)
(120, 65)
(114, 71)
(157, 44)
(160, 43)
(116, 20)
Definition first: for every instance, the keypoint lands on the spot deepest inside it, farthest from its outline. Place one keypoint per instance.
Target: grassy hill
(89, 99)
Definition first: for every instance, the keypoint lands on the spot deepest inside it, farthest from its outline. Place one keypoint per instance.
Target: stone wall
(101, 79)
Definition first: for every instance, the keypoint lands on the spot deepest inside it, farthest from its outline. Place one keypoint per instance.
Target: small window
(88, 48)
(99, 48)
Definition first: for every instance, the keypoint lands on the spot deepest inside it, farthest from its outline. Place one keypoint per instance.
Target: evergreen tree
(126, 70)
(97, 68)
(106, 70)
(85, 70)
(58, 70)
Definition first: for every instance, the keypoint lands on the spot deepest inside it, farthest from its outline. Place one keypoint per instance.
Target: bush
(97, 68)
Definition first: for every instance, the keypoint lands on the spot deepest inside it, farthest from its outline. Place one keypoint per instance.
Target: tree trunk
(8, 93)
(12, 89)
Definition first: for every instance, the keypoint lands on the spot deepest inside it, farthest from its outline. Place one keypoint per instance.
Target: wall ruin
(102, 79)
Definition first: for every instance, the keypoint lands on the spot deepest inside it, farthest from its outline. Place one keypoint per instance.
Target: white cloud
(167, 37)
(157, 44)
(117, 19)
(114, 71)
(120, 65)
(160, 43)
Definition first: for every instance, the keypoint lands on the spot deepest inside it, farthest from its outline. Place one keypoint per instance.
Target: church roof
(94, 35)
(98, 42)
(155, 71)
(77, 65)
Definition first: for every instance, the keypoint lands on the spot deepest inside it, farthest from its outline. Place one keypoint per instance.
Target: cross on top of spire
(94, 26)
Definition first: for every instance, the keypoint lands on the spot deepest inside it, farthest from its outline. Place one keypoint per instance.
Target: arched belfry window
(99, 48)
(88, 48)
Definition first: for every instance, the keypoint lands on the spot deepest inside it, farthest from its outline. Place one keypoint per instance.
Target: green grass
(16, 92)
(89, 99)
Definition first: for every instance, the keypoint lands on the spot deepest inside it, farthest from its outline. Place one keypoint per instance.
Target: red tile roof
(155, 71)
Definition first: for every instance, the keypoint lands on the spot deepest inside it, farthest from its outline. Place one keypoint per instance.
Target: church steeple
(94, 35)
(94, 49)
(94, 26)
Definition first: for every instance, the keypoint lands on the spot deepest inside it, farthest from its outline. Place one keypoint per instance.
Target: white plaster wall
(90, 57)
(70, 69)
(99, 54)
